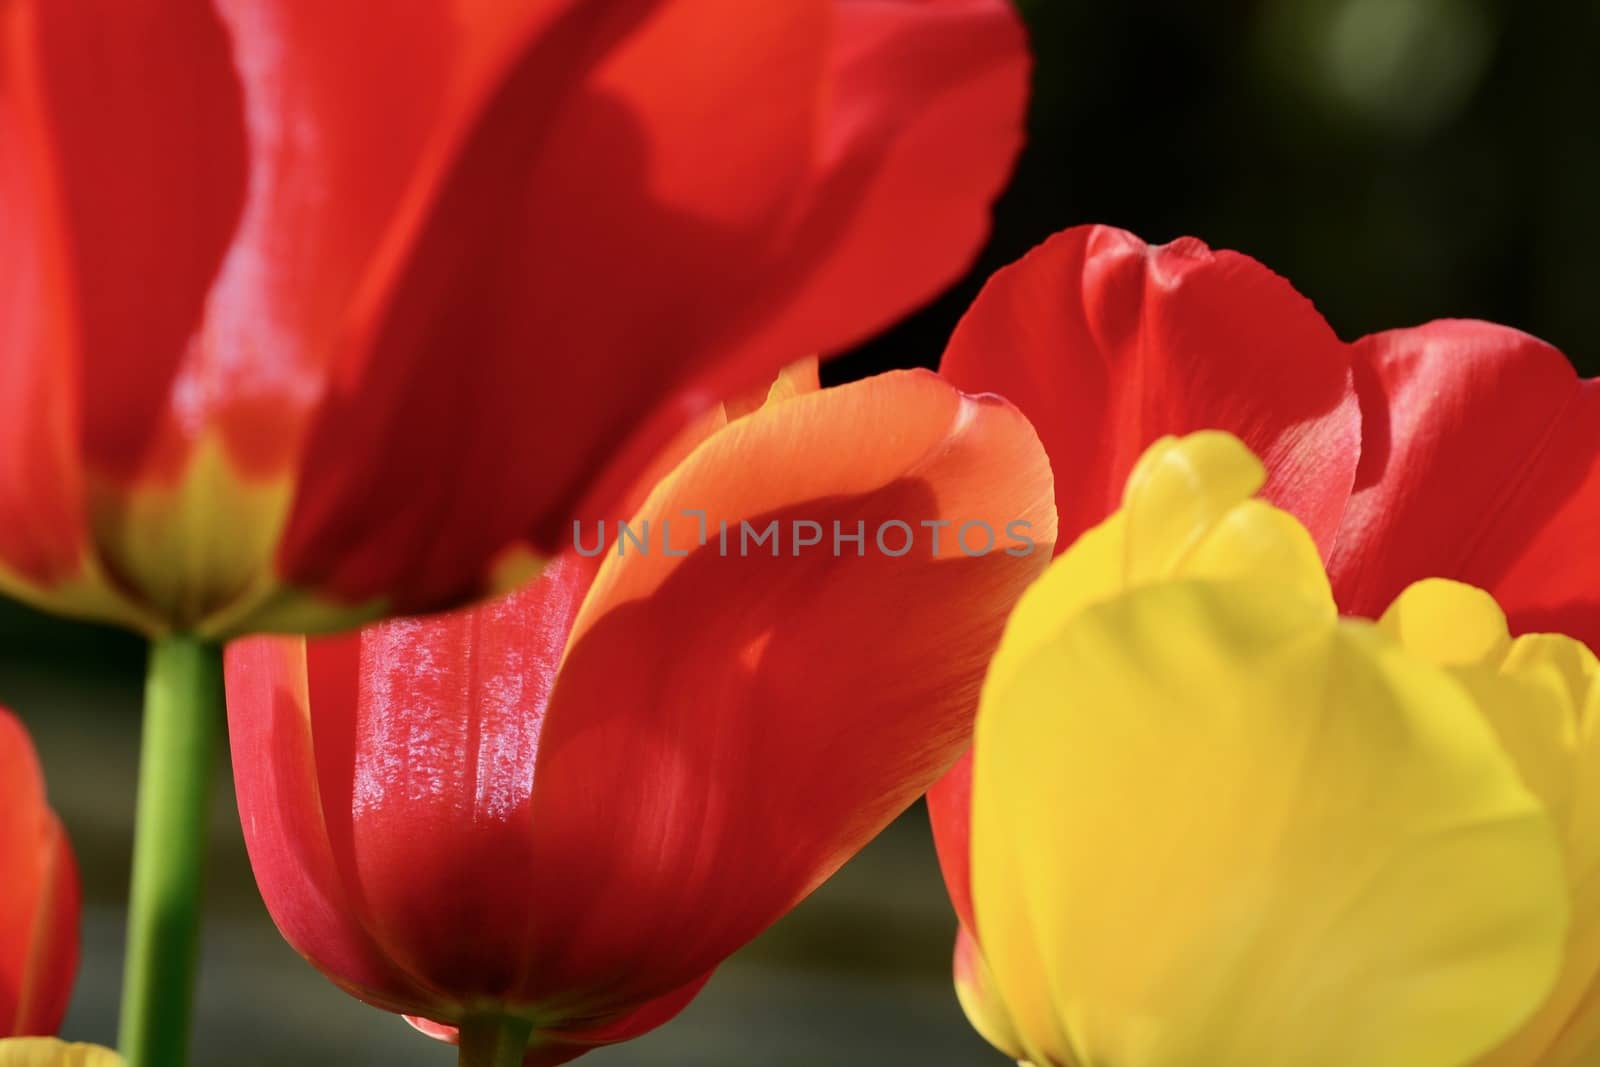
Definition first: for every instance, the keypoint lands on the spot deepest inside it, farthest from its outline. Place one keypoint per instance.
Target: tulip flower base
(494, 1041)
(183, 723)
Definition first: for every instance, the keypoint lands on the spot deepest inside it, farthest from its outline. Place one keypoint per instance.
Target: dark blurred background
(1398, 160)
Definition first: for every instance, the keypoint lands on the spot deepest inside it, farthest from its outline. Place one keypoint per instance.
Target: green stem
(494, 1041)
(183, 726)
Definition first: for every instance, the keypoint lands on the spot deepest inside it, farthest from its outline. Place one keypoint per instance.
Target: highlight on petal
(39, 895)
(1189, 511)
(1211, 825)
(50, 1052)
(1107, 344)
(1480, 462)
(1541, 694)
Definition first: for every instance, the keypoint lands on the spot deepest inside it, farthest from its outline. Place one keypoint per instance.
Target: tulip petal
(727, 729)
(133, 182)
(1188, 511)
(352, 122)
(1458, 480)
(281, 806)
(381, 773)
(49, 1052)
(622, 175)
(927, 99)
(1541, 694)
(426, 754)
(1107, 344)
(739, 220)
(1211, 825)
(980, 999)
(112, 232)
(39, 895)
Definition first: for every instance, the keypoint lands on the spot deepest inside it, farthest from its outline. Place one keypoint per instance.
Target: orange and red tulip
(1456, 449)
(310, 313)
(570, 805)
(39, 900)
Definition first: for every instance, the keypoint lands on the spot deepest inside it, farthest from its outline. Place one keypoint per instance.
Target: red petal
(353, 122)
(950, 812)
(705, 775)
(128, 120)
(678, 221)
(727, 731)
(275, 768)
(39, 901)
(1107, 343)
(925, 104)
(121, 176)
(927, 99)
(600, 213)
(383, 773)
(53, 965)
(1480, 462)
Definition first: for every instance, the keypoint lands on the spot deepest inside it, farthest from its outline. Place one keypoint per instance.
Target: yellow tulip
(1214, 826)
(1541, 694)
(1188, 511)
(49, 1052)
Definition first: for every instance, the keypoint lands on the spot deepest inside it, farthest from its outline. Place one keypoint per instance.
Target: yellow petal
(1188, 512)
(1177, 491)
(1214, 826)
(49, 1052)
(1448, 623)
(1541, 694)
(980, 1000)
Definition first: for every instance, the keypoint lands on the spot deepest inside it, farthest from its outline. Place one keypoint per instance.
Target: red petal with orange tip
(1107, 343)
(39, 896)
(612, 813)
(1480, 462)
(704, 784)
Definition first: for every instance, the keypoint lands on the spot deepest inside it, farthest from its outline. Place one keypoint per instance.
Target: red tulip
(1456, 449)
(38, 895)
(1480, 461)
(310, 312)
(568, 806)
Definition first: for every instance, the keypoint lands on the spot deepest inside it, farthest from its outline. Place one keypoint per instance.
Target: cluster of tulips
(321, 332)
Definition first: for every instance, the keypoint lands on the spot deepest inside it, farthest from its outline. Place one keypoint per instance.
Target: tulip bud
(38, 895)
